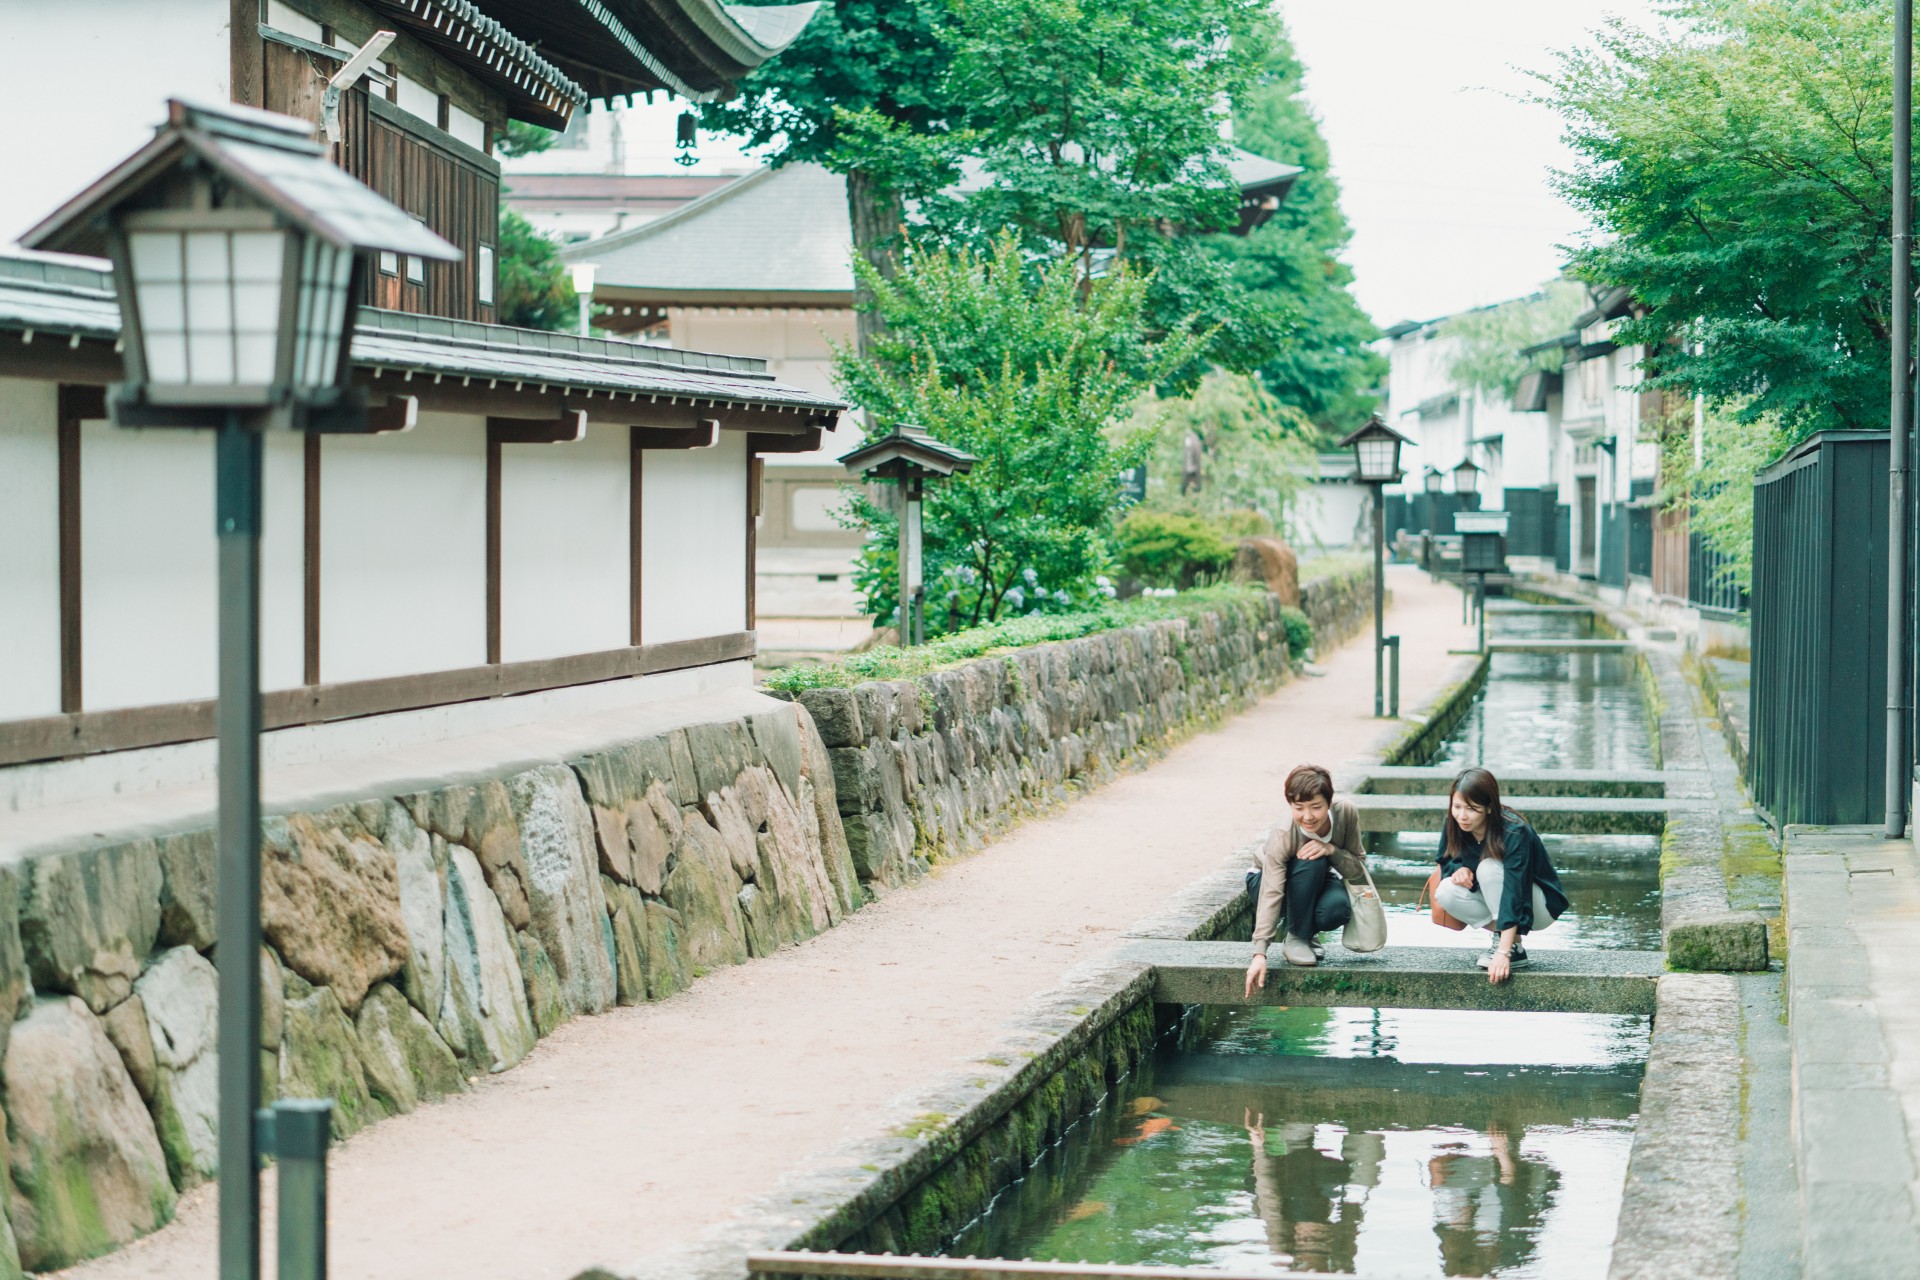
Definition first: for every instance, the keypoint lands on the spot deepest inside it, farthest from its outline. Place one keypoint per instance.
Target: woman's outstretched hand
(1256, 975)
(1499, 968)
(1463, 877)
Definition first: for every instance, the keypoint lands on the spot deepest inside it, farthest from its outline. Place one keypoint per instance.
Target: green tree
(535, 291)
(1491, 339)
(1311, 344)
(1736, 165)
(1717, 491)
(523, 139)
(1256, 453)
(1025, 367)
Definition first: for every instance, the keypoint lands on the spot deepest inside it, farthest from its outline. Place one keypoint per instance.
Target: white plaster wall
(403, 563)
(147, 566)
(694, 541)
(283, 561)
(564, 546)
(1327, 514)
(86, 81)
(797, 344)
(29, 549)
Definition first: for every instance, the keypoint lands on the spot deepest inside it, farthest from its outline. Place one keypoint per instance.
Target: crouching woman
(1494, 872)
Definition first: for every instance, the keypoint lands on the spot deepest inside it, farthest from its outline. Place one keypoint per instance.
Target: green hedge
(891, 663)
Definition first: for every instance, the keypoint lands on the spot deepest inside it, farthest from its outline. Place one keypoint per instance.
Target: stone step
(1550, 815)
(1540, 610)
(1561, 646)
(1430, 780)
(1406, 978)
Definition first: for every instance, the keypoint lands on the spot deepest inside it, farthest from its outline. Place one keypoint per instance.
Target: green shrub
(890, 663)
(1162, 549)
(1299, 632)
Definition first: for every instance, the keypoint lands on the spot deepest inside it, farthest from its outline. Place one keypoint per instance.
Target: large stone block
(776, 732)
(330, 903)
(836, 716)
(406, 1063)
(629, 920)
(819, 797)
(88, 920)
(88, 1171)
(1733, 941)
(702, 888)
(546, 1001)
(420, 861)
(568, 911)
(664, 955)
(189, 884)
(321, 1058)
(484, 1017)
(728, 817)
(480, 818)
(180, 995)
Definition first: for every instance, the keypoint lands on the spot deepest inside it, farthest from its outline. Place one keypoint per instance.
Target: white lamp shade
(209, 304)
(1434, 480)
(1378, 458)
(1466, 477)
(582, 273)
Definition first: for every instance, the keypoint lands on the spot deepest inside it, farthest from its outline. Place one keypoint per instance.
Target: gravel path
(638, 1129)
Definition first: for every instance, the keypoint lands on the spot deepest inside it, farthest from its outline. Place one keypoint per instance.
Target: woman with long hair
(1494, 872)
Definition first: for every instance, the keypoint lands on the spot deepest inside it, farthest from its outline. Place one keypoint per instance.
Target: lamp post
(910, 457)
(1466, 484)
(582, 273)
(1483, 550)
(1376, 460)
(238, 254)
(1431, 481)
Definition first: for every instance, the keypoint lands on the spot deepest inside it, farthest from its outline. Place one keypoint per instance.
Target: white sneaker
(1514, 961)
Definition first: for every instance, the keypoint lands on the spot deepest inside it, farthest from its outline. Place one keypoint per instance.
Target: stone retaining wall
(1339, 606)
(931, 767)
(415, 941)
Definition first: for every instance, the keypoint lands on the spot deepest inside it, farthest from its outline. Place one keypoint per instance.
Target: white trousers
(1480, 905)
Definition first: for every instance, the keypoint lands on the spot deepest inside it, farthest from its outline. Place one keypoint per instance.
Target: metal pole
(1379, 598)
(1480, 606)
(1393, 679)
(1897, 532)
(237, 530)
(300, 1134)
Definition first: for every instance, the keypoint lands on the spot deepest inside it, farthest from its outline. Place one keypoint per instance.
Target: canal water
(1389, 1142)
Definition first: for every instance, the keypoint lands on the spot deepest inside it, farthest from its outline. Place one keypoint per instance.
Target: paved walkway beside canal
(639, 1129)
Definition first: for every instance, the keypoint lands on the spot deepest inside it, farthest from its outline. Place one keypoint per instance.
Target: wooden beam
(766, 442)
(636, 505)
(494, 487)
(246, 55)
(310, 564)
(92, 732)
(54, 357)
(76, 405)
(570, 426)
(703, 436)
(502, 397)
(755, 488)
(396, 413)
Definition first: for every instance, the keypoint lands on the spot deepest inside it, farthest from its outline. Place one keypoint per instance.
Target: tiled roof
(53, 300)
(780, 230)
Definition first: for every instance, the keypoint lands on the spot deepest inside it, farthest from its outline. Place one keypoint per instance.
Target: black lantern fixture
(238, 249)
(1376, 462)
(1466, 478)
(1433, 480)
(1483, 550)
(687, 139)
(909, 456)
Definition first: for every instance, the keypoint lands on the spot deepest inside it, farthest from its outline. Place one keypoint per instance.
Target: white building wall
(110, 66)
(147, 566)
(563, 546)
(797, 344)
(403, 565)
(283, 561)
(693, 534)
(29, 549)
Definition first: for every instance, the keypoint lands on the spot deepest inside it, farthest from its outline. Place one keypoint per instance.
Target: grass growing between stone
(889, 662)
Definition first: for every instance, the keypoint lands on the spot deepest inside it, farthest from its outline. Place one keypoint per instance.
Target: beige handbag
(1367, 927)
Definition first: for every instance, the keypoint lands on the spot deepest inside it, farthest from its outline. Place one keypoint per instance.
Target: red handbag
(1432, 891)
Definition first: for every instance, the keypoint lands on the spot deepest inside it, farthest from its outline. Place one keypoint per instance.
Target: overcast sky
(1445, 174)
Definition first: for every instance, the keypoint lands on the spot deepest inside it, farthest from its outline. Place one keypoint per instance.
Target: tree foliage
(1491, 339)
(1256, 453)
(1024, 367)
(1717, 491)
(535, 291)
(1311, 346)
(1736, 165)
(523, 139)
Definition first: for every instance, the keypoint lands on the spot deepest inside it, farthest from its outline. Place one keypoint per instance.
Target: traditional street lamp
(238, 251)
(582, 273)
(909, 457)
(1466, 480)
(1432, 481)
(1376, 460)
(1483, 550)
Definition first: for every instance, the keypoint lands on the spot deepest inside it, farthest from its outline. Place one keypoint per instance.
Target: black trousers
(1316, 899)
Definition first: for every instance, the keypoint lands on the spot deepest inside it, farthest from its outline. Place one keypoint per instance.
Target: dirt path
(640, 1128)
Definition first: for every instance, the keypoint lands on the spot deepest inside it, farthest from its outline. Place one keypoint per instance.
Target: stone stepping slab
(1550, 815)
(1430, 780)
(1573, 981)
(1561, 646)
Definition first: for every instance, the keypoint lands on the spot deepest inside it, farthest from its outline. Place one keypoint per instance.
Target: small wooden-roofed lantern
(233, 239)
(1376, 451)
(1483, 540)
(1466, 477)
(909, 457)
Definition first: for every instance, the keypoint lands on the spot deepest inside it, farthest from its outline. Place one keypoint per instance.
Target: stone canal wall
(933, 766)
(415, 941)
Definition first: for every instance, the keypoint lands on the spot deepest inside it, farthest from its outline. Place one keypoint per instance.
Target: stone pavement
(638, 1130)
(1853, 1005)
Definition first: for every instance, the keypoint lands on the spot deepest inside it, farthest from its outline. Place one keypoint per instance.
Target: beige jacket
(1283, 843)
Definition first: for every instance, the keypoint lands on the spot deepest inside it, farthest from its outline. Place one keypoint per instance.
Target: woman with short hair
(1494, 872)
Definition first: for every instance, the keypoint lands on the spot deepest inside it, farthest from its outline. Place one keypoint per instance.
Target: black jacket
(1526, 866)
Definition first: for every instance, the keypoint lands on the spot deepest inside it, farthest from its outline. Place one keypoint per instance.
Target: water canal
(1389, 1142)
